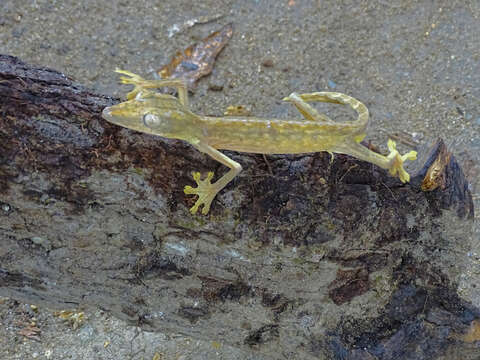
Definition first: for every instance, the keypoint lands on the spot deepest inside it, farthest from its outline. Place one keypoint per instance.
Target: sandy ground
(415, 64)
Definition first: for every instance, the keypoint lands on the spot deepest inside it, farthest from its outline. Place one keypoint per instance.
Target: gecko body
(168, 116)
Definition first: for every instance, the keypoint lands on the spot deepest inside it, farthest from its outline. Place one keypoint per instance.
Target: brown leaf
(76, 318)
(473, 333)
(436, 174)
(31, 332)
(197, 60)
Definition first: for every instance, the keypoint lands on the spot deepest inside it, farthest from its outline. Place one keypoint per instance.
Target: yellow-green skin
(168, 116)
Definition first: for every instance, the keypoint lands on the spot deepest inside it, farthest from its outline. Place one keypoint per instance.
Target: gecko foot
(205, 190)
(133, 79)
(397, 161)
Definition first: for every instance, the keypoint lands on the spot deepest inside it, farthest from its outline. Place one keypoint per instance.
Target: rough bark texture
(299, 258)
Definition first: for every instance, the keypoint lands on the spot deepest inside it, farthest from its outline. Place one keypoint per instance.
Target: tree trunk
(298, 257)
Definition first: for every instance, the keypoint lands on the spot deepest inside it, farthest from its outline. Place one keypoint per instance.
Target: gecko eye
(151, 120)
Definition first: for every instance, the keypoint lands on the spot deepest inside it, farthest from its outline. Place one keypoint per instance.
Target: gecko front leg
(141, 84)
(205, 190)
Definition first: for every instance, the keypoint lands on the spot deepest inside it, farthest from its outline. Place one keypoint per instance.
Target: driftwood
(299, 257)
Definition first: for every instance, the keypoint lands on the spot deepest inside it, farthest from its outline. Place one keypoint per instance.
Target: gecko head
(157, 114)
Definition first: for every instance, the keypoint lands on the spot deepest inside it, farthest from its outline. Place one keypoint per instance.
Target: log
(298, 258)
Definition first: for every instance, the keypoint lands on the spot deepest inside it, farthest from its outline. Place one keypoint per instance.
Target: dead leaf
(30, 331)
(237, 110)
(435, 176)
(473, 333)
(157, 356)
(197, 60)
(75, 318)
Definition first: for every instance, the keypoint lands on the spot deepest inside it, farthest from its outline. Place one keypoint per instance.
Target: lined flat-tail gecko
(168, 116)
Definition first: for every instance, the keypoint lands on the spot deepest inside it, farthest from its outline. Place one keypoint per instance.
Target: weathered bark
(299, 257)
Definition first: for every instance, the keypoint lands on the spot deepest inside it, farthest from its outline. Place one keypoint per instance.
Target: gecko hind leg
(338, 98)
(140, 84)
(305, 109)
(301, 102)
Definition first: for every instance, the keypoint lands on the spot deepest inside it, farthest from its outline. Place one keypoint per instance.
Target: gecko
(169, 116)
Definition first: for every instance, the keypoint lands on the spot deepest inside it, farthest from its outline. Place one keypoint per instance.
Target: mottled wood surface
(299, 257)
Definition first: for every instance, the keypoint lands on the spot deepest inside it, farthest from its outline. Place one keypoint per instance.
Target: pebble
(267, 63)
(215, 86)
